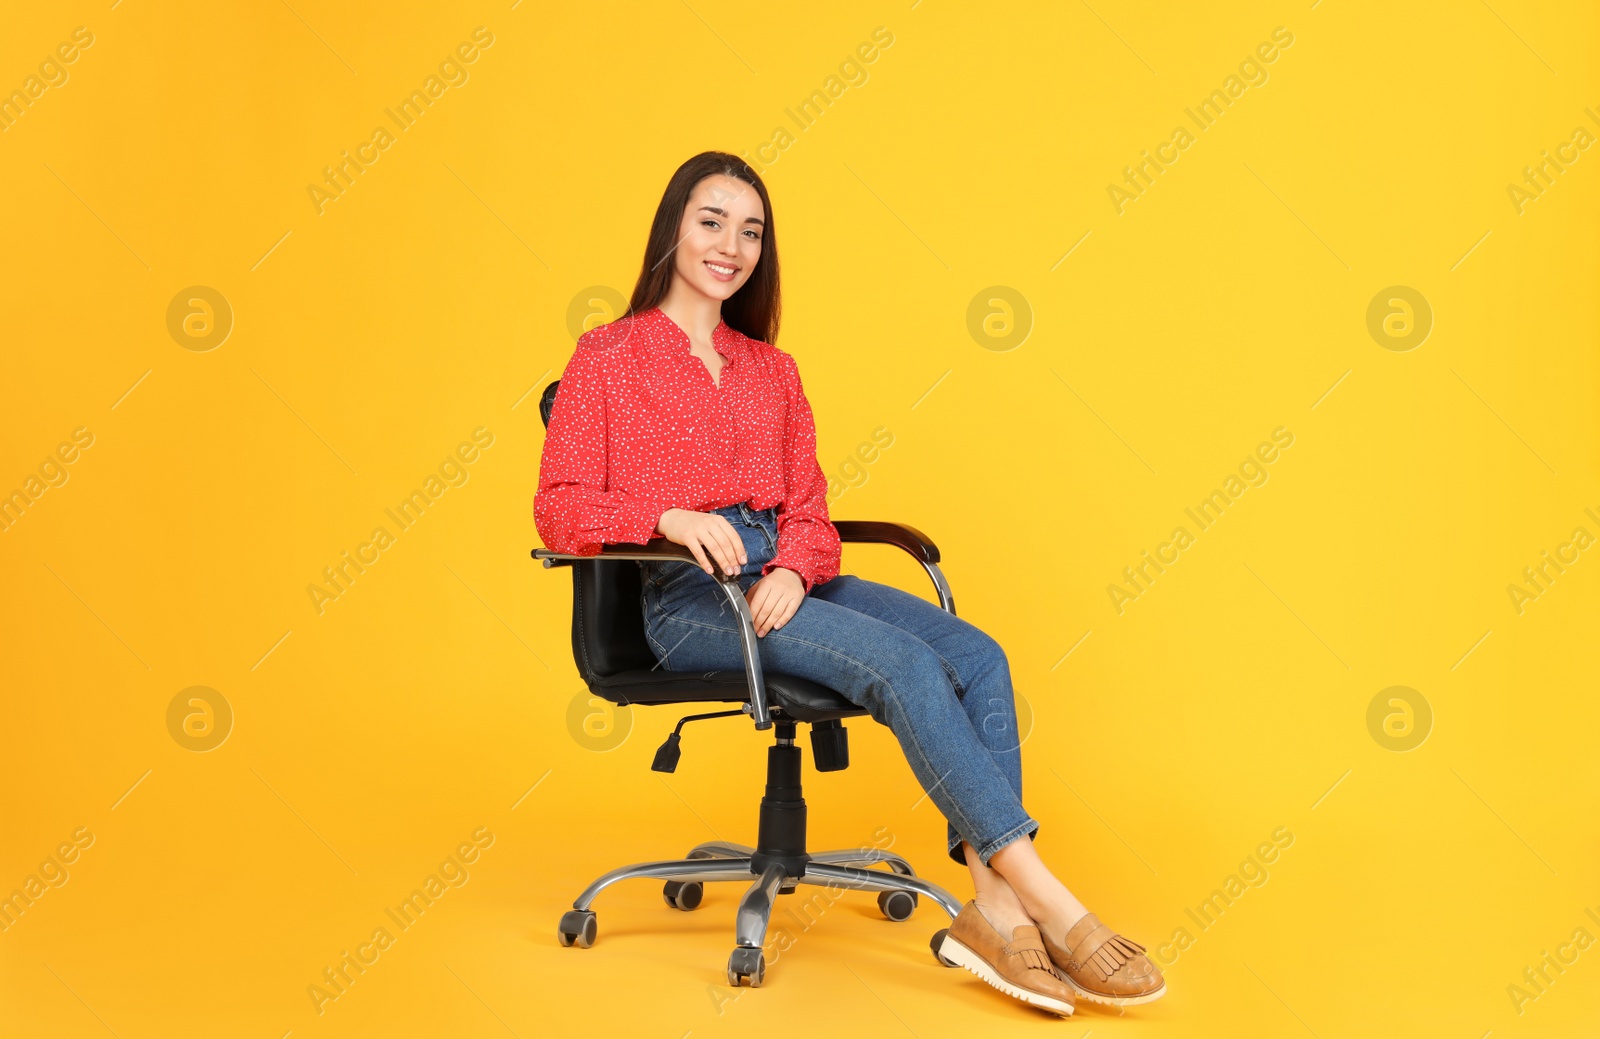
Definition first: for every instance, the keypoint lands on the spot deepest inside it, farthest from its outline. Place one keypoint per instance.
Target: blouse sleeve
(573, 509)
(808, 543)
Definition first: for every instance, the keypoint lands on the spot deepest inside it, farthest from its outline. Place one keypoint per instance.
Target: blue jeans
(940, 684)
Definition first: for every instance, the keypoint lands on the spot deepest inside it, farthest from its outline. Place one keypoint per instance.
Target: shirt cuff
(637, 524)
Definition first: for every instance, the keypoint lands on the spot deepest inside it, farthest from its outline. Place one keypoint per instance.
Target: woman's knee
(987, 650)
(917, 661)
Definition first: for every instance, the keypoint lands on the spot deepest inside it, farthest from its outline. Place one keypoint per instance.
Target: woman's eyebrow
(724, 213)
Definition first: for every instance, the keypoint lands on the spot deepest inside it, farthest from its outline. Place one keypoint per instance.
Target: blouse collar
(672, 339)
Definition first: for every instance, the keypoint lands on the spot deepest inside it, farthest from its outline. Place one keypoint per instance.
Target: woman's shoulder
(766, 354)
(609, 336)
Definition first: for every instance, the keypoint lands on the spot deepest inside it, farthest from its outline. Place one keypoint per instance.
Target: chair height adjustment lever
(668, 753)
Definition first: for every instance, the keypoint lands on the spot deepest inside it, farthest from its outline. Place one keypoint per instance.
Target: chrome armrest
(729, 584)
(902, 536)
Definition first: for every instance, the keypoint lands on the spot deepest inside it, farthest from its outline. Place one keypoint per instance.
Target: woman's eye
(709, 223)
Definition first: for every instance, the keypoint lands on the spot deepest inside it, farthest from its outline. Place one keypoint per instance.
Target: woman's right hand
(704, 533)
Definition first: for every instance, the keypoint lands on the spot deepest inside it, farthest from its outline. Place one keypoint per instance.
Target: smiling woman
(681, 420)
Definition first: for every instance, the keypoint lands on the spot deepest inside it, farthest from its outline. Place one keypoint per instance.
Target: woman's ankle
(1055, 911)
(1043, 897)
(1004, 914)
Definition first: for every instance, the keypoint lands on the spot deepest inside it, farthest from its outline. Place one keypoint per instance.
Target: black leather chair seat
(797, 698)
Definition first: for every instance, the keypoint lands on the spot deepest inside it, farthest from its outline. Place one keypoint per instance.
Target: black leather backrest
(607, 618)
(547, 401)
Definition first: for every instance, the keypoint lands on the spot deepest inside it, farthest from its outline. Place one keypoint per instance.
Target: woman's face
(719, 240)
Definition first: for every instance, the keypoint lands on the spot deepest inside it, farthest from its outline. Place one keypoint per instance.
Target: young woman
(681, 420)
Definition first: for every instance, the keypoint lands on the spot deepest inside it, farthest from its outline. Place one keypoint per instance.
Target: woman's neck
(696, 314)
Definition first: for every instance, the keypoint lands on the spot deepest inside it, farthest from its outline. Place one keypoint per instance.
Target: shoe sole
(1112, 1001)
(952, 950)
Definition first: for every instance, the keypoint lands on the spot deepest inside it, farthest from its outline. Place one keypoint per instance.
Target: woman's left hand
(774, 599)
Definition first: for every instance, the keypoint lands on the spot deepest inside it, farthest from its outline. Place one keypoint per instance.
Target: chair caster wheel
(897, 905)
(938, 940)
(747, 963)
(683, 894)
(577, 927)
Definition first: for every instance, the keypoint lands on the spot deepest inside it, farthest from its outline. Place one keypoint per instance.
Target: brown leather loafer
(1020, 967)
(1104, 967)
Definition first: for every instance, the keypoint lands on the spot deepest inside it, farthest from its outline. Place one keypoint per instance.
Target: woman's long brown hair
(754, 309)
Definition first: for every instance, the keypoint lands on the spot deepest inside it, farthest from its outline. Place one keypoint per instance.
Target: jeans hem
(987, 850)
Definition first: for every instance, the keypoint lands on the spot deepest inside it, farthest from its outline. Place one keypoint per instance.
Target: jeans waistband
(751, 517)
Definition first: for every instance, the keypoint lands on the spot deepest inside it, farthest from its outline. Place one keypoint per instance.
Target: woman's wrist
(798, 575)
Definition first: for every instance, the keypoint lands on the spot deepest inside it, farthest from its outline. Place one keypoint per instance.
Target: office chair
(615, 660)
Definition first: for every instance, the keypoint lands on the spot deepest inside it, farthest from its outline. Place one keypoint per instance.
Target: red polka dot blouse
(639, 427)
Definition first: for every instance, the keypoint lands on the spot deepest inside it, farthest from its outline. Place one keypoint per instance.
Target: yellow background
(432, 698)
